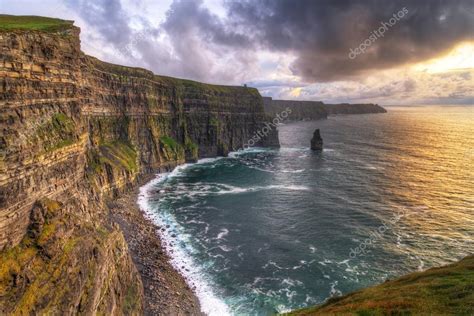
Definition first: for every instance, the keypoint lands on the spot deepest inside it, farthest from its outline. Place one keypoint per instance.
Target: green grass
(119, 154)
(169, 142)
(191, 149)
(130, 303)
(172, 150)
(46, 24)
(35, 23)
(214, 121)
(447, 290)
(56, 133)
(191, 84)
(38, 274)
(181, 84)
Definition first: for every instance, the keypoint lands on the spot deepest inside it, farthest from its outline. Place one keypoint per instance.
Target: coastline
(165, 289)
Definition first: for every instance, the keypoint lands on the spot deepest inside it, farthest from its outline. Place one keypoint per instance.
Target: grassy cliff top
(34, 23)
(447, 290)
(178, 82)
(45, 24)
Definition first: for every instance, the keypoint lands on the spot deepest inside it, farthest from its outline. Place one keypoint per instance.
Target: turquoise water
(265, 231)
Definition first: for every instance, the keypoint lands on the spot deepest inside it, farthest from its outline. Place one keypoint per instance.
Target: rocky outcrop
(316, 110)
(75, 133)
(316, 141)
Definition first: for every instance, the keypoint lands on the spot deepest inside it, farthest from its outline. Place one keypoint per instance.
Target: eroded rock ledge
(76, 133)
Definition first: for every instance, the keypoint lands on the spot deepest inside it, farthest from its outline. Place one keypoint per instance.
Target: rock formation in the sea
(316, 110)
(75, 133)
(316, 141)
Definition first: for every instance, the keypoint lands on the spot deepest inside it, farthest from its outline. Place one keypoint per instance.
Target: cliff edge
(75, 134)
(448, 290)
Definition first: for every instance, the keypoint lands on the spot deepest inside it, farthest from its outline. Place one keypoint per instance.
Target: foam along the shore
(177, 243)
(178, 248)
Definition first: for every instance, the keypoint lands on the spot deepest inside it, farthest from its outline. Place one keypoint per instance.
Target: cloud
(281, 45)
(191, 42)
(202, 42)
(106, 16)
(186, 18)
(321, 33)
(394, 86)
(274, 83)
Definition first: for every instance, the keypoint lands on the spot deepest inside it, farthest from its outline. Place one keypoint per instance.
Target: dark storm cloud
(321, 33)
(193, 32)
(186, 18)
(191, 26)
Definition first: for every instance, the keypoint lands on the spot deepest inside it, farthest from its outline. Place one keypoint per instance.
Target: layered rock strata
(75, 133)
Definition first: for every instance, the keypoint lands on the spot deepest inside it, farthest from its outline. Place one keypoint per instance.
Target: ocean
(271, 230)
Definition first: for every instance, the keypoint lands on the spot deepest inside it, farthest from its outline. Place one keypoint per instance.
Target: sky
(391, 52)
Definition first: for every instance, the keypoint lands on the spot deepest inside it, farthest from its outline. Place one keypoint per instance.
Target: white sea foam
(224, 232)
(272, 263)
(224, 248)
(228, 189)
(201, 189)
(261, 169)
(334, 292)
(292, 171)
(289, 187)
(179, 251)
(234, 154)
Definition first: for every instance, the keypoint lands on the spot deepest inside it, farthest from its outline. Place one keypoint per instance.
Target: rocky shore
(165, 290)
(78, 133)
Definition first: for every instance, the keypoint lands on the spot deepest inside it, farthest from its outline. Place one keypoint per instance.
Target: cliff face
(76, 132)
(316, 110)
(300, 110)
(356, 108)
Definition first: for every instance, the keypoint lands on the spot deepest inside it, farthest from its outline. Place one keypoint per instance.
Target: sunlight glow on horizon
(459, 58)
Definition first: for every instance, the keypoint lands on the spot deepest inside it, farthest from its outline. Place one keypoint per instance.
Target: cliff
(316, 110)
(76, 133)
(356, 108)
(447, 290)
(300, 110)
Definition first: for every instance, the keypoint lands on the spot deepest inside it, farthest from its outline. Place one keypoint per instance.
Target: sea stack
(316, 141)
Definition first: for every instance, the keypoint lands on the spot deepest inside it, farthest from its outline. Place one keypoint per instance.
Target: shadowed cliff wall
(76, 132)
(316, 110)
(355, 108)
(300, 110)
